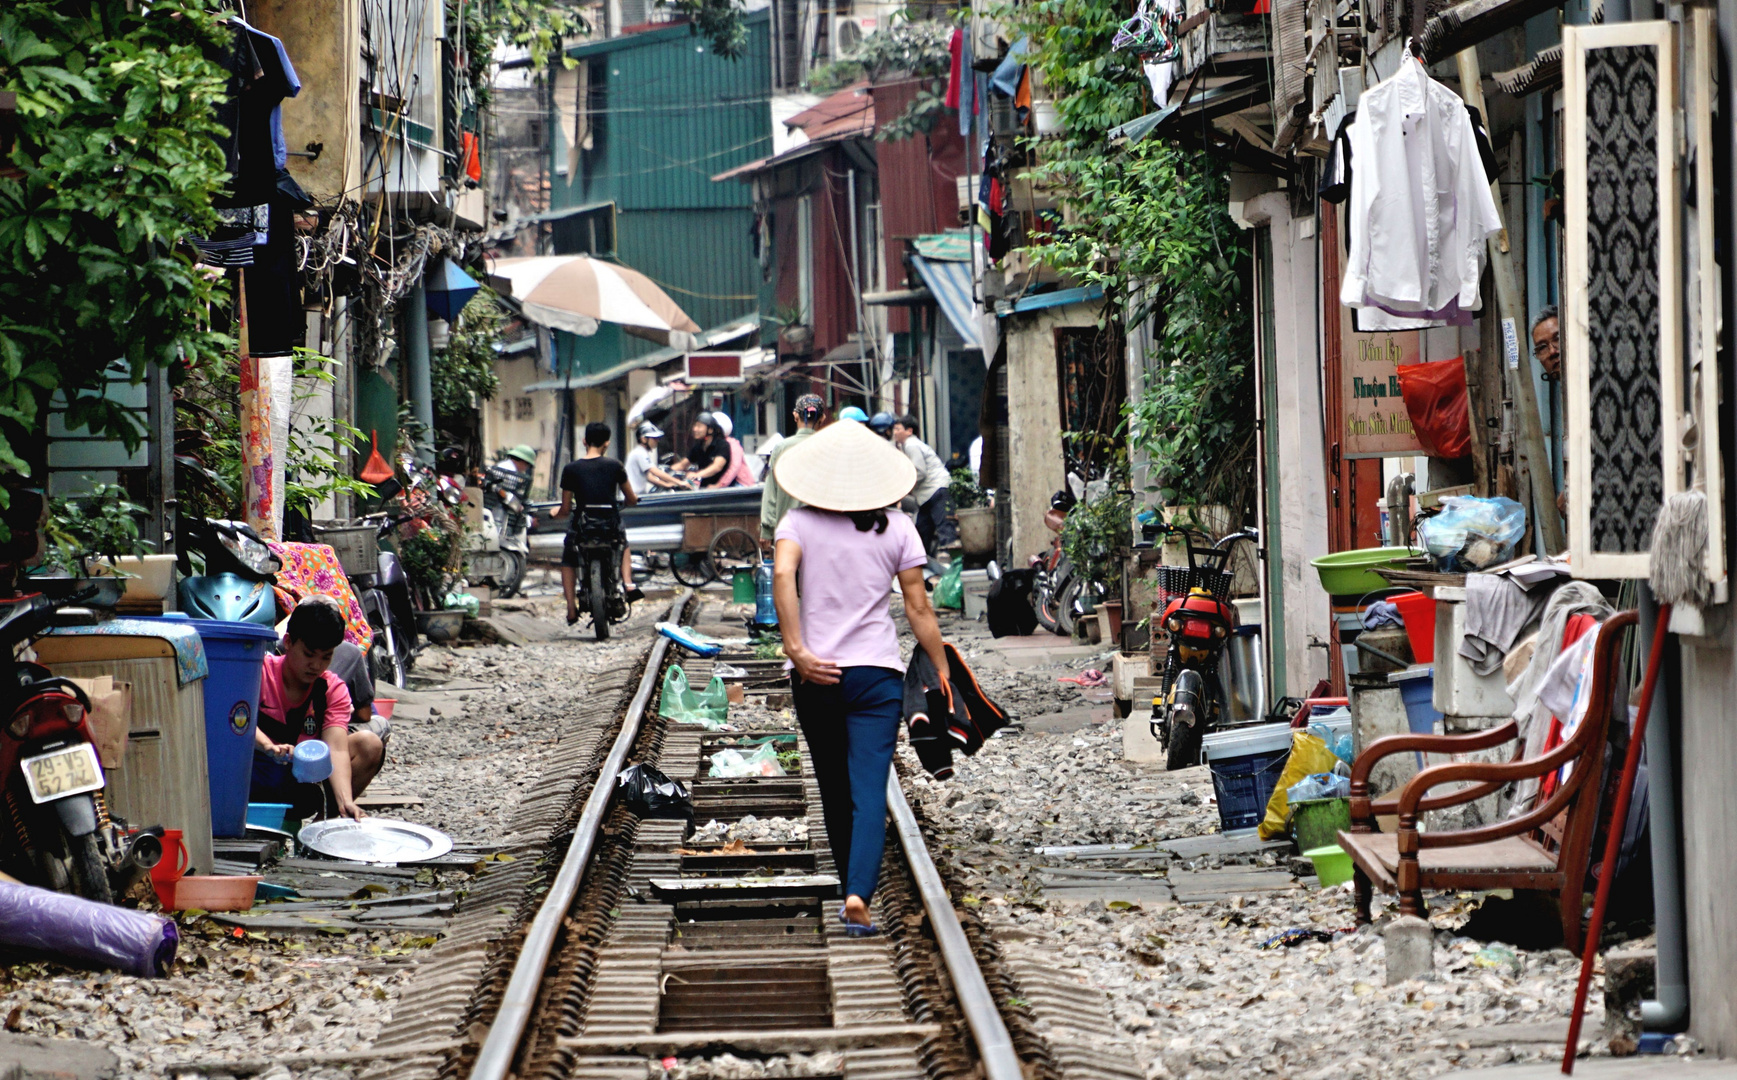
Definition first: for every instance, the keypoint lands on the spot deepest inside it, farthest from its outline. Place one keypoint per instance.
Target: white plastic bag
(729, 764)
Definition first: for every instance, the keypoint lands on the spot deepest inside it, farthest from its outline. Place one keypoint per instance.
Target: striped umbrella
(576, 293)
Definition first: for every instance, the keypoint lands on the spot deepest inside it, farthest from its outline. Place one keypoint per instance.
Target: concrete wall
(1298, 477)
(323, 40)
(1034, 442)
(1709, 801)
(515, 417)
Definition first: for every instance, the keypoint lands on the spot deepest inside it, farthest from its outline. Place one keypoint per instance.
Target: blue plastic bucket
(236, 653)
(1245, 764)
(1417, 690)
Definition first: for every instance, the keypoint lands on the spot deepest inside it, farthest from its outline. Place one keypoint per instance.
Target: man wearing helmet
(643, 474)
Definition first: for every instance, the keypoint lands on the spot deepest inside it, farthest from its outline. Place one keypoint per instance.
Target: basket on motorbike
(358, 546)
(1174, 582)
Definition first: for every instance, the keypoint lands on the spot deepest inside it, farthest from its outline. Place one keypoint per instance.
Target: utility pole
(1530, 460)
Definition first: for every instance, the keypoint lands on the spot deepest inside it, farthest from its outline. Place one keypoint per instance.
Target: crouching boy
(300, 699)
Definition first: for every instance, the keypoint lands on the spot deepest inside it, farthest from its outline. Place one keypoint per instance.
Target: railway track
(620, 942)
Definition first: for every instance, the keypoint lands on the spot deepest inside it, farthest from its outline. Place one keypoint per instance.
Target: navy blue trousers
(851, 728)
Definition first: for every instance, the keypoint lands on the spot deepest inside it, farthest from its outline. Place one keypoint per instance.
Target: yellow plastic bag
(1309, 755)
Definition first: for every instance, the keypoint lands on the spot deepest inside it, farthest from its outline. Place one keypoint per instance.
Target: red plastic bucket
(1418, 611)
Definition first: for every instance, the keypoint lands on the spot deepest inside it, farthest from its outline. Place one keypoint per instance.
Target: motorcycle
(598, 537)
(386, 600)
(1198, 620)
(500, 550)
(238, 573)
(1053, 589)
(57, 832)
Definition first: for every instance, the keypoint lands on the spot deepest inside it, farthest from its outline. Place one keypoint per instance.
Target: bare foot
(856, 911)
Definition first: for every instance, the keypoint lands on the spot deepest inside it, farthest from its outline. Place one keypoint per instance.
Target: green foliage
(534, 25)
(101, 525)
(965, 492)
(1097, 529)
(116, 118)
(464, 374)
(430, 559)
(209, 432)
(1149, 225)
(905, 47)
(718, 21)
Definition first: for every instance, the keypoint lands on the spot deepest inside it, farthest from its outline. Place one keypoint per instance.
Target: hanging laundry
(955, 69)
(1420, 208)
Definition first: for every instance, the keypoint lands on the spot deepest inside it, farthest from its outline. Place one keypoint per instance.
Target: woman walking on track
(834, 559)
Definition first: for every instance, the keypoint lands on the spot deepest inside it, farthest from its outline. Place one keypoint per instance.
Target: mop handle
(1613, 835)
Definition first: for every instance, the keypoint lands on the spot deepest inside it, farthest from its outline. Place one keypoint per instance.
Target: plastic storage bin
(1245, 764)
(236, 652)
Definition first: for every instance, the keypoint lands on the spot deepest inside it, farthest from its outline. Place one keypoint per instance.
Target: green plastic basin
(1332, 865)
(1352, 573)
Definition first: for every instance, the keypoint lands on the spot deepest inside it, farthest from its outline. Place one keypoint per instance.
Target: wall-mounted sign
(719, 368)
(1374, 422)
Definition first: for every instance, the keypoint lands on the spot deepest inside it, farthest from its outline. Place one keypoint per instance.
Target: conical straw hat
(845, 467)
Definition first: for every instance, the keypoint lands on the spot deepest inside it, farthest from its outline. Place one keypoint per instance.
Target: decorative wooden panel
(1623, 290)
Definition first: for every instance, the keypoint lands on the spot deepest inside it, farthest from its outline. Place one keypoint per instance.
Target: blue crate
(1245, 765)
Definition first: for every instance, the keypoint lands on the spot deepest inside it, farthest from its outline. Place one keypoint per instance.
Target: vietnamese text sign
(1374, 422)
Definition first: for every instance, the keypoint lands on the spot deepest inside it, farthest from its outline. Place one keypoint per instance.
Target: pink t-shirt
(272, 705)
(845, 578)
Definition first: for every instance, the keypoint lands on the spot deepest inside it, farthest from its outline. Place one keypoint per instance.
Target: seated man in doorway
(934, 485)
(300, 700)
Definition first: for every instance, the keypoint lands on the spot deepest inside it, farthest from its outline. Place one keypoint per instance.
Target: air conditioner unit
(848, 32)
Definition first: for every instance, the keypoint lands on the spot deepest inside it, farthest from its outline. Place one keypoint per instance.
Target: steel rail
(994, 1045)
(495, 1058)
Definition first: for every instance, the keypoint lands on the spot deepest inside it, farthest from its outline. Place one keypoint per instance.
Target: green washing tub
(1352, 573)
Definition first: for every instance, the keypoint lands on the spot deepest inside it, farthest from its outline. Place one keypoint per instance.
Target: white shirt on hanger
(1420, 201)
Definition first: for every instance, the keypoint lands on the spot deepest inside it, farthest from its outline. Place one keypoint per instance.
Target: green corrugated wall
(672, 116)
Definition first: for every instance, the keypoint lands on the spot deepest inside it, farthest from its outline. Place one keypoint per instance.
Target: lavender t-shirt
(846, 579)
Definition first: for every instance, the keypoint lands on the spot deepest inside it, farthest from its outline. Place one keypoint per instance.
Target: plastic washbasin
(212, 893)
(1332, 865)
(267, 815)
(1352, 573)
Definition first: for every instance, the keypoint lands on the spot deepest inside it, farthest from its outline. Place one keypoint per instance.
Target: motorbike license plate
(64, 772)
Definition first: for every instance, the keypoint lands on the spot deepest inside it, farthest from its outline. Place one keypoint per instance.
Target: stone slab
(1069, 720)
(1132, 891)
(33, 1057)
(1194, 847)
(1641, 1067)
(1138, 743)
(1209, 886)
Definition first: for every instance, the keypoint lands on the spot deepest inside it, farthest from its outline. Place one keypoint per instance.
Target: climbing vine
(1148, 223)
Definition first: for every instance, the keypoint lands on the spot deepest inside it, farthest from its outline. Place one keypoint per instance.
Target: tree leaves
(118, 163)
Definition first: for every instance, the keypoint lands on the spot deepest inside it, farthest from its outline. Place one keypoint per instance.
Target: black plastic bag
(649, 793)
(1009, 602)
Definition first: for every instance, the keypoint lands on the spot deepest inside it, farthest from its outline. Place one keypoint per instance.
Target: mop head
(1679, 551)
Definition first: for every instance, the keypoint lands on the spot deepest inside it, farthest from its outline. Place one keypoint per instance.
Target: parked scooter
(500, 550)
(1199, 621)
(386, 600)
(239, 571)
(600, 591)
(56, 831)
(1054, 578)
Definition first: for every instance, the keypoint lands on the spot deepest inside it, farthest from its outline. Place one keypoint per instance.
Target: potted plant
(97, 535)
(976, 517)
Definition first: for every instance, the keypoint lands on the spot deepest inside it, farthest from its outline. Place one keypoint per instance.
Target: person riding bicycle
(591, 481)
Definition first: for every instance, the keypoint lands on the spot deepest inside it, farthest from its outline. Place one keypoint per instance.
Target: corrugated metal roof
(918, 180)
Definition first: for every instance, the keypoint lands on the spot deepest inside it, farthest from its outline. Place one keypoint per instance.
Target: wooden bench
(1545, 849)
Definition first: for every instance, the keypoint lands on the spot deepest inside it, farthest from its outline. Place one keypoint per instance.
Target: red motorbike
(56, 831)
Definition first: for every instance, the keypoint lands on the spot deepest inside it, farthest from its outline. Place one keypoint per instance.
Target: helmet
(851, 412)
(649, 430)
(725, 423)
(881, 422)
(523, 453)
(229, 597)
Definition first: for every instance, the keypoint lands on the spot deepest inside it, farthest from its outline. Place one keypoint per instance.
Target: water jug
(311, 762)
(765, 611)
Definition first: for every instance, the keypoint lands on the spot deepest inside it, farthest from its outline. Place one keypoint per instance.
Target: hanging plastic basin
(1418, 611)
(1352, 573)
(1332, 865)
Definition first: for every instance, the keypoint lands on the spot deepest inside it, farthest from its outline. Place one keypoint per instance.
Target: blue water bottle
(765, 611)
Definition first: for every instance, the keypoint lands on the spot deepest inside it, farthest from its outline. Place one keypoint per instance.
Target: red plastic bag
(1435, 398)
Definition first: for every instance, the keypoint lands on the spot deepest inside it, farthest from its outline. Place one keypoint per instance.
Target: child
(300, 699)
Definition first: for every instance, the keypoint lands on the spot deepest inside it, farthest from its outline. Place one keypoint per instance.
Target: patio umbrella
(576, 293)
